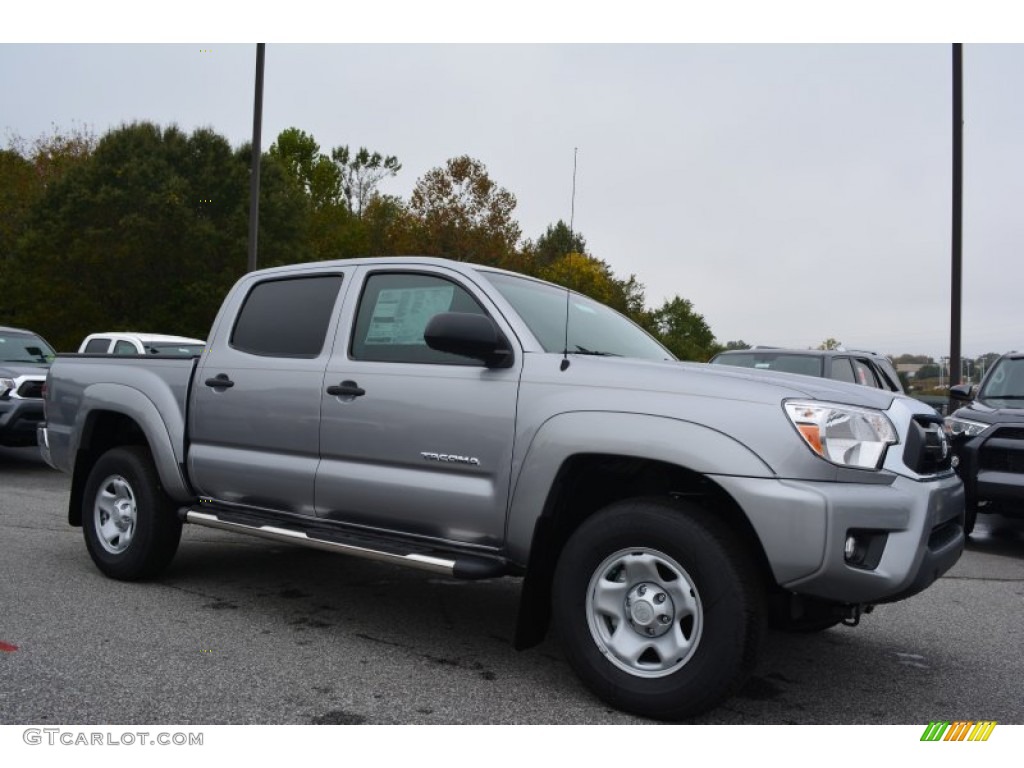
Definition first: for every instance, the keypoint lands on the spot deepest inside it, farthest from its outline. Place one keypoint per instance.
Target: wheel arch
(129, 419)
(584, 484)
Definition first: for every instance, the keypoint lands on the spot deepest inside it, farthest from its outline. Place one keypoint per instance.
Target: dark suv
(857, 367)
(24, 361)
(988, 440)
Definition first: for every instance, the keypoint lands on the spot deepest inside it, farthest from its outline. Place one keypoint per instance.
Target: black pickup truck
(24, 361)
(988, 440)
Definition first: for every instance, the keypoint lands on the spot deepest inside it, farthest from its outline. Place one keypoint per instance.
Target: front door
(412, 439)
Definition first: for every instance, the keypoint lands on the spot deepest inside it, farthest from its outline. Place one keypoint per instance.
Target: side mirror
(469, 335)
(961, 392)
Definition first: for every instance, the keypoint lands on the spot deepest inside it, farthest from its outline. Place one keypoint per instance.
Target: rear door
(255, 416)
(415, 440)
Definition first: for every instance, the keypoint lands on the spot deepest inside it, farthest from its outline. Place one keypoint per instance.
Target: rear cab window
(97, 346)
(288, 317)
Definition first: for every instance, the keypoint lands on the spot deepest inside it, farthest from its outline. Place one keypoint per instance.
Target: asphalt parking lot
(241, 630)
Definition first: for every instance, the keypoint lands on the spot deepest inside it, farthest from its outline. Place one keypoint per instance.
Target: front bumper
(18, 421)
(803, 527)
(992, 466)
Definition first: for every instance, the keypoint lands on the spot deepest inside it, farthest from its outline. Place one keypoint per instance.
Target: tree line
(145, 229)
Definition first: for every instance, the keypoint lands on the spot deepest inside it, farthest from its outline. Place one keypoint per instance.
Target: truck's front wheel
(131, 530)
(657, 609)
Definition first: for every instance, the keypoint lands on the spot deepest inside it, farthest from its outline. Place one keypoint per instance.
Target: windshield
(773, 361)
(165, 348)
(594, 329)
(24, 348)
(1005, 381)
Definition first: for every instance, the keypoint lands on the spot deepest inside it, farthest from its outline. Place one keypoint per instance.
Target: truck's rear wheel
(131, 530)
(657, 608)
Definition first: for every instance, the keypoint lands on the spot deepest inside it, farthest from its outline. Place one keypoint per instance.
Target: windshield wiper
(584, 351)
(1002, 397)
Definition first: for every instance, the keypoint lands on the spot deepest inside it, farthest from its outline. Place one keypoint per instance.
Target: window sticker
(401, 314)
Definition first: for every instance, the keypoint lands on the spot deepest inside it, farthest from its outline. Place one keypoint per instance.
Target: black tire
(709, 641)
(131, 528)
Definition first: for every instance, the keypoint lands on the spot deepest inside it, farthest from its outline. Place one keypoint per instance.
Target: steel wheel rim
(115, 514)
(644, 612)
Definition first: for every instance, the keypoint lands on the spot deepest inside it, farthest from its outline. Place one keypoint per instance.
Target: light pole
(257, 154)
(957, 230)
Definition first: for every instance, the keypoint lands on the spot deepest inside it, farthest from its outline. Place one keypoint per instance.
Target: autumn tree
(462, 214)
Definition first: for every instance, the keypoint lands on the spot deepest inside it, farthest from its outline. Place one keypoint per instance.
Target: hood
(727, 382)
(14, 370)
(987, 411)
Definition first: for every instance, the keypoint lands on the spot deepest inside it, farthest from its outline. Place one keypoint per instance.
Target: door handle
(346, 389)
(220, 381)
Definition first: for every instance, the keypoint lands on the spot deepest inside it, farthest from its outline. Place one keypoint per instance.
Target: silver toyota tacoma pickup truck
(477, 423)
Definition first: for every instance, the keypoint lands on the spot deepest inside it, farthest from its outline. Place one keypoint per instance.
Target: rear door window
(287, 318)
(842, 370)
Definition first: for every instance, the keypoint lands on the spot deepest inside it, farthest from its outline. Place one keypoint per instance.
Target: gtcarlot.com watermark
(71, 738)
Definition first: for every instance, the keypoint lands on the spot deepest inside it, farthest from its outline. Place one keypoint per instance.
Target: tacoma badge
(450, 457)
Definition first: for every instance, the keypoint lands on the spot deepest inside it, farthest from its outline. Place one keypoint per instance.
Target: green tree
(27, 169)
(462, 214)
(146, 234)
(554, 244)
(314, 172)
(737, 344)
(830, 343)
(683, 330)
(361, 173)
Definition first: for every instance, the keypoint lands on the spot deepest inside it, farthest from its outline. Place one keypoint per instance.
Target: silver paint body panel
(276, 440)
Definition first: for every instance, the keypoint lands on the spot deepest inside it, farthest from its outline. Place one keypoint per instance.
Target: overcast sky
(791, 192)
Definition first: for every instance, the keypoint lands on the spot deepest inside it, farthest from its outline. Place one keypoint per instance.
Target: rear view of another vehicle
(868, 369)
(24, 361)
(123, 343)
(988, 440)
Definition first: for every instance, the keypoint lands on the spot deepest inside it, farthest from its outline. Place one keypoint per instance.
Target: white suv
(126, 343)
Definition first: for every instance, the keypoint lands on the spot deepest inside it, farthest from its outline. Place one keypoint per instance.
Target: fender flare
(686, 444)
(158, 425)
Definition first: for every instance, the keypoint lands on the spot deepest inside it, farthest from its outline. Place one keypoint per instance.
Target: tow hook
(853, 614)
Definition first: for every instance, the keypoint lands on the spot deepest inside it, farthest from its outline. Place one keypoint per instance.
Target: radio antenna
(572, 245)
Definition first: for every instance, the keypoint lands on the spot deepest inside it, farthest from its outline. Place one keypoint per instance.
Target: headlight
(842, 434)
(965, 428)
(6, 387)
